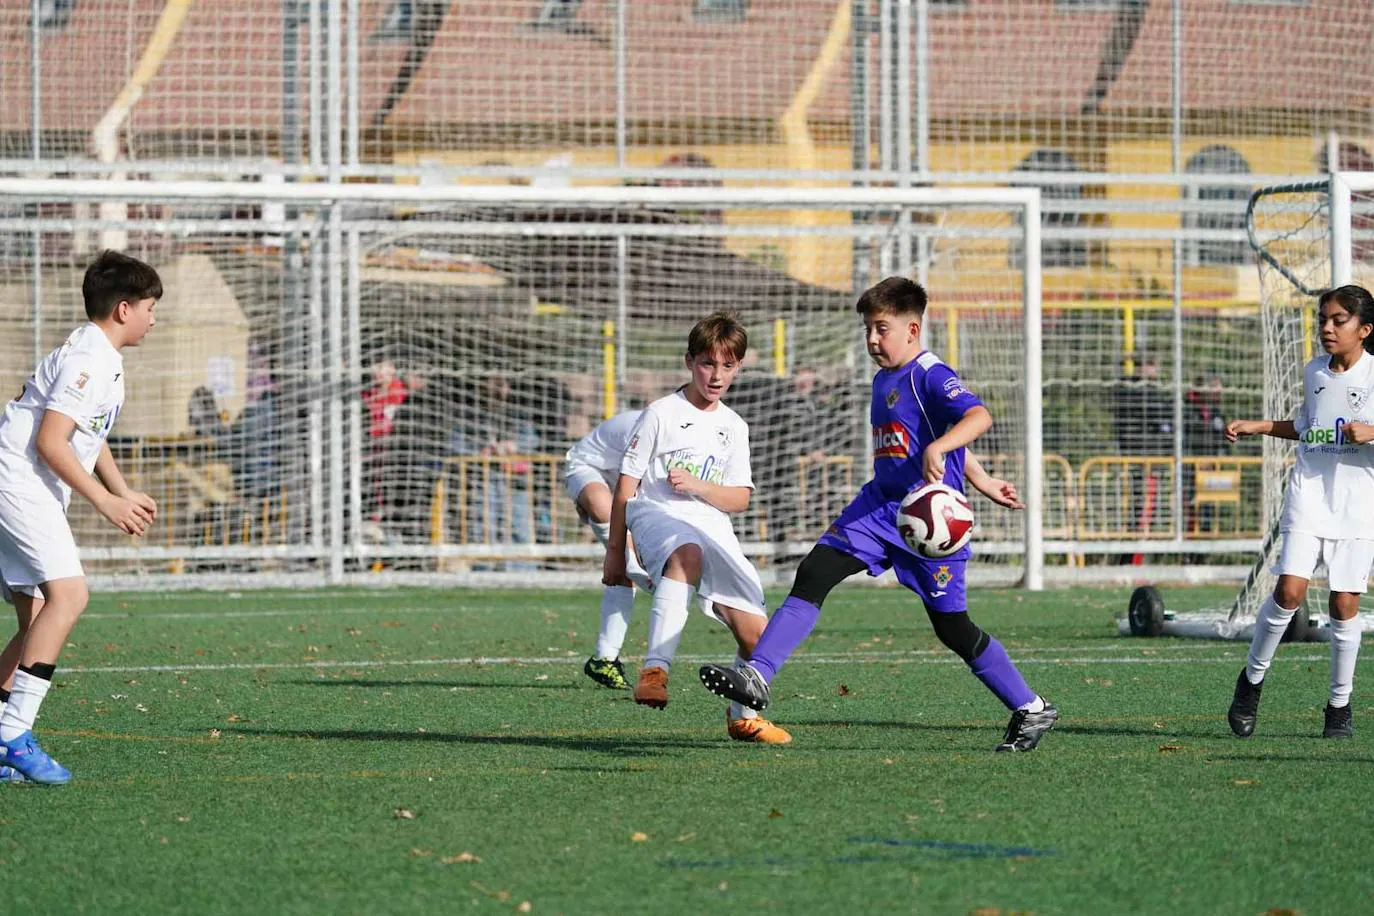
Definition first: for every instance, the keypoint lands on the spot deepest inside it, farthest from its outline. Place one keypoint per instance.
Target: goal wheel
(1146, 612)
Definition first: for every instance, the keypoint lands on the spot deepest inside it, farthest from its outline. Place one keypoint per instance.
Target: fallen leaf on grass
(638, 837)
(1245, 782)
(417, 853)
(214, 733)
(723, 886)
(1165, 748)
(462, 858)
(403, 814)
(524, 907)
(541, 677)
(775, 813)
(686, 837)
(844, 690)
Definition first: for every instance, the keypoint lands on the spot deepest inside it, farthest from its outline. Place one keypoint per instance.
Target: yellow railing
(1131, 498)
(517, 499)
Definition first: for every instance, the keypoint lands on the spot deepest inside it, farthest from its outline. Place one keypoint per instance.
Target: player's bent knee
(686, 560)
(959, 634)
(821, 570)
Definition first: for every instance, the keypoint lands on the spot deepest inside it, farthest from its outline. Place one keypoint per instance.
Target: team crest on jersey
(724, 436)
(1356, 397)
(892, 397)
(943, 576)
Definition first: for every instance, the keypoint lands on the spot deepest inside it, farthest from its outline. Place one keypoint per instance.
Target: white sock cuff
(602, 530)
(1272, 604)
(1352, 625)
(671, 591)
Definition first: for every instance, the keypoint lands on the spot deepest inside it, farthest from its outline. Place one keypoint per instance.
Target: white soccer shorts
(727, 576)
(1347, 560)
(36, 543)
(578, 476)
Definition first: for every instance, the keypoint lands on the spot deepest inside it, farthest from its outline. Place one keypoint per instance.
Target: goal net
(371, 383)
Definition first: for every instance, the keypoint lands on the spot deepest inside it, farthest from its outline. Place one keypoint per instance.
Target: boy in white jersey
(1328, 512)
(686, 468)
(592, 467)
(52, 442)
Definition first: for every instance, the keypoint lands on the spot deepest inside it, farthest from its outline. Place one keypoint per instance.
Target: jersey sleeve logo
(891, 440)
(954, 388)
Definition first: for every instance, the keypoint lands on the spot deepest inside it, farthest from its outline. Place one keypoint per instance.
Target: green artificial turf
(441, 751)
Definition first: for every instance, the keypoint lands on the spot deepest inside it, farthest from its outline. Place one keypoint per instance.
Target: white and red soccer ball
(935, 520)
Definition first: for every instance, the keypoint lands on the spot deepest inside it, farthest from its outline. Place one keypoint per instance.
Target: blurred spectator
(492, 424)
(383, 399)
(1204, 427)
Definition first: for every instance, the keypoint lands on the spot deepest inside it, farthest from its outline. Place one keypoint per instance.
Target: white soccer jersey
(83, 379)
(710, 444)
(1331, 493)
(604, 447)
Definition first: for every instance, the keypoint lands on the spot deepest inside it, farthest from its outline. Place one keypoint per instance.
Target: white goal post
(315, 285)
(1307, 237)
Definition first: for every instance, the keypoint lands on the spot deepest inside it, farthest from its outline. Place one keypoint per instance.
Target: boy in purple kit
(922, 418)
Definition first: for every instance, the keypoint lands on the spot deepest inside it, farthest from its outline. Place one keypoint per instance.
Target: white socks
(1345, 649)
(617, 605)
(22, 709)
(667, 619)
(1269, 629)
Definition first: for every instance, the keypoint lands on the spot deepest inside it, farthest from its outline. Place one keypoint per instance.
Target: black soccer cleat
(1244, 706)
(1338, 724)
(1026, 728)
(742, 684)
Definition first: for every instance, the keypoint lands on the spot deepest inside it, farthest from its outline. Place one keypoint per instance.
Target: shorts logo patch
(943, 576)
(892, 397)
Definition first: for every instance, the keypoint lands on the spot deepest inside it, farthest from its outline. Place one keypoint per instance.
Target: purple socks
(789, 625)
(995, 669)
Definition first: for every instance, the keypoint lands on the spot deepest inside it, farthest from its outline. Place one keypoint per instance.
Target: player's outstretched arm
(108, 471)
(1279, 429)
(613, 567)
(54, 446)
(1002, 492)
(726, 499)
(974, 422)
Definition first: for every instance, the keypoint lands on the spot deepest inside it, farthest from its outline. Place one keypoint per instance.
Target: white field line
(862, 658)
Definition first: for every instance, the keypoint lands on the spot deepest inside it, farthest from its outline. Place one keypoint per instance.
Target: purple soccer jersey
(913, 405)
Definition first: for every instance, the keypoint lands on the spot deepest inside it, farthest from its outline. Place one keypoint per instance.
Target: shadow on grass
(916, 726)
(420, 682)
(610, 744)
(1289, 758)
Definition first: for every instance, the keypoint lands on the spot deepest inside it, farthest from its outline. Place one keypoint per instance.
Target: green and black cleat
(608, 672)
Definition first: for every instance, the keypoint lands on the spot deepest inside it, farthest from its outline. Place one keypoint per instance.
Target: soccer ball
(935, 520)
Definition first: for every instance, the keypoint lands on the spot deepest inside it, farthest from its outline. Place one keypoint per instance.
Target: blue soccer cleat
(23, 754)
(10, 774)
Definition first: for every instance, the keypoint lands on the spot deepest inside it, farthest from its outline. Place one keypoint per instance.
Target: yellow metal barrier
(1132, 497)
(500, 499)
